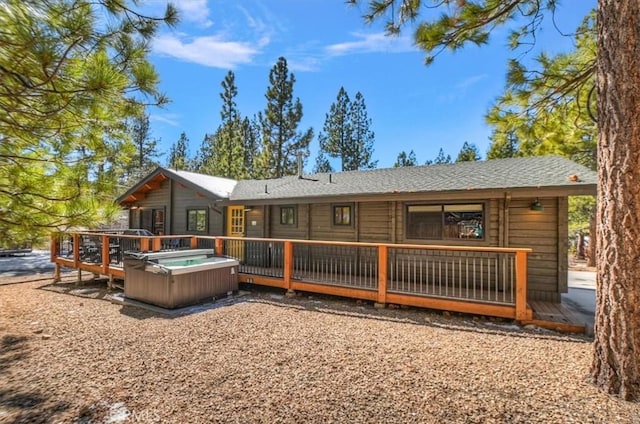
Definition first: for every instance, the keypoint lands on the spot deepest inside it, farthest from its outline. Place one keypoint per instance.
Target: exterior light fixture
(537, 206)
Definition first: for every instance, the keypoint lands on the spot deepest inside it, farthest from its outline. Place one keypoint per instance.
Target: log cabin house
(505, 203)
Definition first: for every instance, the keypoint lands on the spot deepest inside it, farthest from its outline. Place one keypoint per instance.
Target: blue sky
(327, 45)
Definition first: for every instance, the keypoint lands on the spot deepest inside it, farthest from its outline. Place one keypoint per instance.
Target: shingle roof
(529, 172)
(218, 186)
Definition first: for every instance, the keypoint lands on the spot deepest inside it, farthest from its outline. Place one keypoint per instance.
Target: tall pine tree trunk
(616, 359)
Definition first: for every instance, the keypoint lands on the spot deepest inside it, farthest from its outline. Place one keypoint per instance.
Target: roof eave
(471, 193)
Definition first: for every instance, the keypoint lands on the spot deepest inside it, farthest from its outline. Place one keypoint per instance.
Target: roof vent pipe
(299, 164)
(265, 189)
(329, 178)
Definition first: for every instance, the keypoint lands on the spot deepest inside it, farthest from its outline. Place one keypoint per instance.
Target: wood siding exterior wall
(508, 222)
(322, 227)
(185, 199)
(176, 199)
(374, 222)
(297, 231)
(539, 230)
(255, 222)
(159, 198)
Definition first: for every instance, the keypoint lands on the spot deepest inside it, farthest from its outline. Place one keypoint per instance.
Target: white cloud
(372, 43)
(468, 82)
(195, 11)
(459, 90)
(167, 118)
(210, 51)
(304, 64)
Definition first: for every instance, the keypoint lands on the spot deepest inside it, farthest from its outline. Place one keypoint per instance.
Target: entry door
(235, 228)
(235, 221)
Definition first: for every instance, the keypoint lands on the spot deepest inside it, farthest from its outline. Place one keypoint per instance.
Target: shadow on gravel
(91, 289)
(18, 405)
(12, 349)
(140, 310)
(421, 317)
(318, 303)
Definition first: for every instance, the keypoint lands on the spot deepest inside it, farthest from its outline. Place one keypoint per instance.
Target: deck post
(76, 250)
(194, 242)
(288, 265)
(521, 286)
(55, 251)
(56, 273)
(54, 247)
(105, 254)
(383, 251)
(219, 245)
(144, 244)
(156, 244)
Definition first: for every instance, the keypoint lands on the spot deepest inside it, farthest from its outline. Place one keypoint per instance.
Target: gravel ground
(69, 355)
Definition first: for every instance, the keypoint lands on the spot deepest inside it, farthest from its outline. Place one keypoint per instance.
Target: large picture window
(342, 215)
(445, 222)
(287, 215)
(197, 220)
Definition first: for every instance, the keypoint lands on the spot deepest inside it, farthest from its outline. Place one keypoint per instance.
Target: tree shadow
(21, 404)
(12, 349)
(359, 309)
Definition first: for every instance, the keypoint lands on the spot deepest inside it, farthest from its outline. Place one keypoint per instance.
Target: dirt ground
(68, 354)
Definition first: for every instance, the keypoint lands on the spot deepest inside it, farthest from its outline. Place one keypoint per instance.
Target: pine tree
(405, 159)
(229, 150)
(281, 141)
(222, 154)
(337, 133)
(203, 155)
(147, 155)
(346, 134)
(563, 126)
(441, 158)
(503, 145)
(179, 154)
(468, 153)
(250, 131)
(616, 364)
(69, 85)
(322, 164)
(362, 147)
(530, 119)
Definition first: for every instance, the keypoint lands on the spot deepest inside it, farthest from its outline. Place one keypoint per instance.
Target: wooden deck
(556, 316)
(392, 274)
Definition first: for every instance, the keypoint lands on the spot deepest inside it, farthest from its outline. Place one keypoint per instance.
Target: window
(197, 220)
(342, 215)
(445, 222)
(287, 215)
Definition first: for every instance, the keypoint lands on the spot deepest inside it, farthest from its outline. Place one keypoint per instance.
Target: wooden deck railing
(479, 280)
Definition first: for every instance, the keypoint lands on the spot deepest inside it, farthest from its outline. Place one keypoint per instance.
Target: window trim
(206, 220)
(443, 239)
(333, 215)
(294, 211)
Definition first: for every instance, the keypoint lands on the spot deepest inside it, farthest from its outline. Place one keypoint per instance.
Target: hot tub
(178, 278)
